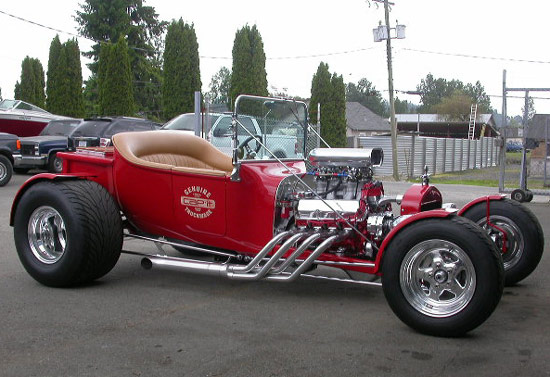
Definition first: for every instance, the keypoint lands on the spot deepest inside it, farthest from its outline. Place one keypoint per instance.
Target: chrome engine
(339, 193)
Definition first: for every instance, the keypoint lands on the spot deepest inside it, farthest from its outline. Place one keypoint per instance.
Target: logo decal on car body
(197, 202)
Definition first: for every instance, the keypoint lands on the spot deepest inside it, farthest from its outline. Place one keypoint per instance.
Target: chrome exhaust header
(259, 267)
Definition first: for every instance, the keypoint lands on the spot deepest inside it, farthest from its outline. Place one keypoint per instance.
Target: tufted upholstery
(172, 150)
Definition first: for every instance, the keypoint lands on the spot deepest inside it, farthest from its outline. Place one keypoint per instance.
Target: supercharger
(339, 193)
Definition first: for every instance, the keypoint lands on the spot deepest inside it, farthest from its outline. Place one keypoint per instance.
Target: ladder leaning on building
(472, 124)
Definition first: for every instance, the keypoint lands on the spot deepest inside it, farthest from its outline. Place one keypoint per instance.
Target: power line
(202, 56)
(63, 31)
(294, 57)
(475, 56)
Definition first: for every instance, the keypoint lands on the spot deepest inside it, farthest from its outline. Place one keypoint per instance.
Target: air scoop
(337, 157)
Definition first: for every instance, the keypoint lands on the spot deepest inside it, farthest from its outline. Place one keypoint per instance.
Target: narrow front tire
(442, 277)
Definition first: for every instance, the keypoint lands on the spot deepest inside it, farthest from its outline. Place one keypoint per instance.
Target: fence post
(468, 155)
(475, 154)
(423, 154)
(413, 144)
(481, 149)
(461, 154)
(444, 168)
(434, 157)
(453, 159)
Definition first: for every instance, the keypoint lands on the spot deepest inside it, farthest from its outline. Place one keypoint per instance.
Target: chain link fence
(536, 166)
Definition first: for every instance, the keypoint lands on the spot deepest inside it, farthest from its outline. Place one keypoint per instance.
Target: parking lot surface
(134, 322)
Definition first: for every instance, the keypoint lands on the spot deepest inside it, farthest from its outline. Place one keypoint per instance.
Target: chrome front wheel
(437, 278)
(442, 276)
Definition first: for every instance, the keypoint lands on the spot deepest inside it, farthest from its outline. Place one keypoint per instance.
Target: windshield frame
(295, 110)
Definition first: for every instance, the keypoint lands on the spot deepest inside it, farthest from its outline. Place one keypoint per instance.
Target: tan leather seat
(172, 150)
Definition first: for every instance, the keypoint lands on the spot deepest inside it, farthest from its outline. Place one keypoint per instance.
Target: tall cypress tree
(181, 69)
(54, 80)
(40, 83)
(338, 121)
(248, 72)
(72, 83)
(64, 87)
(329, 91)
(31, 86)
(102, 63)
(115, 84)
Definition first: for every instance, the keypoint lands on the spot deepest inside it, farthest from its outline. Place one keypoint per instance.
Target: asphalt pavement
(134, 322)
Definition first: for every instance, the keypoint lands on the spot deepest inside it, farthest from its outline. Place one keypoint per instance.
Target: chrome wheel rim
(3, 171)
(47, 235)
(437, 278)
(57, 165)
(515, 244)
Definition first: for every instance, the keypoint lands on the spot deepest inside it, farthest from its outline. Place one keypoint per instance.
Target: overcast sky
(298, 35)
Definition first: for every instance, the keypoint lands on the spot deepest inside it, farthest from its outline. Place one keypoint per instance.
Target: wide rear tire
(67, 233)
(442, 277)
(524, 236)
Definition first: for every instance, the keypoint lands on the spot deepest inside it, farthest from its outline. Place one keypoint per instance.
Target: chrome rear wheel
(47, 235)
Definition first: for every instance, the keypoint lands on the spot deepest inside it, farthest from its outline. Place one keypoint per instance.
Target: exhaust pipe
(307, 263)
(232, 274)
(187, 265)
(237, 272)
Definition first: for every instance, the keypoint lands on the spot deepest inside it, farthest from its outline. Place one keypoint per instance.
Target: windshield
(280, 123)
(7, 104)
(185, 122)
(90, 128)
(60, 127)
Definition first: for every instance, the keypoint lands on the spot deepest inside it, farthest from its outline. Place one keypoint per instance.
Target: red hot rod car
(262, 217)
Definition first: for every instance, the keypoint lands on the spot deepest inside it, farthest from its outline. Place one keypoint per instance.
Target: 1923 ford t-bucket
(261, 217)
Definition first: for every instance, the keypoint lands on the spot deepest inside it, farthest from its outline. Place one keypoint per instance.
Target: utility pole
(393, 124)
(383, 32)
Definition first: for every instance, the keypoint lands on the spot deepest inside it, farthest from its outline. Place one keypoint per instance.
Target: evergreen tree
(31, 87)
(115, 80)
(54, 91)
(338, 117)
(103, 62)
(181, 69)
(219, 87)
(366, 94)
(329, 91)
(64, 87)
(107, 21)
(17, 90)
(248, 73)
(433, 91)
(72, 83)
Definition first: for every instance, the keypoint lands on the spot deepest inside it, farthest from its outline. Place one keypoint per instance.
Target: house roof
(360, 118)
(438, 125)
(436, 118)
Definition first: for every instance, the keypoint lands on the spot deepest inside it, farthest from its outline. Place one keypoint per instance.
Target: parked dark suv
(9, 147)
(97, 132)
(40, 152)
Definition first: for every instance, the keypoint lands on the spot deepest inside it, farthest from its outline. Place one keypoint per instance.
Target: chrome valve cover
(315, 209)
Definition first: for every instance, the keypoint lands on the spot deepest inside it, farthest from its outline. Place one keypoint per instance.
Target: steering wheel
(244, 145)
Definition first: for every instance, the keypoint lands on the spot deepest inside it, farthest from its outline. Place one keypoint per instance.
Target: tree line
(135, 71)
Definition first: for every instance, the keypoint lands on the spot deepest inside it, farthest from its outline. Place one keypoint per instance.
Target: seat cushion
(172, 150)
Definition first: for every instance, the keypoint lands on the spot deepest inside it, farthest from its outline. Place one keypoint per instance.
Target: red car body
(152, 200)
(262, 217)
